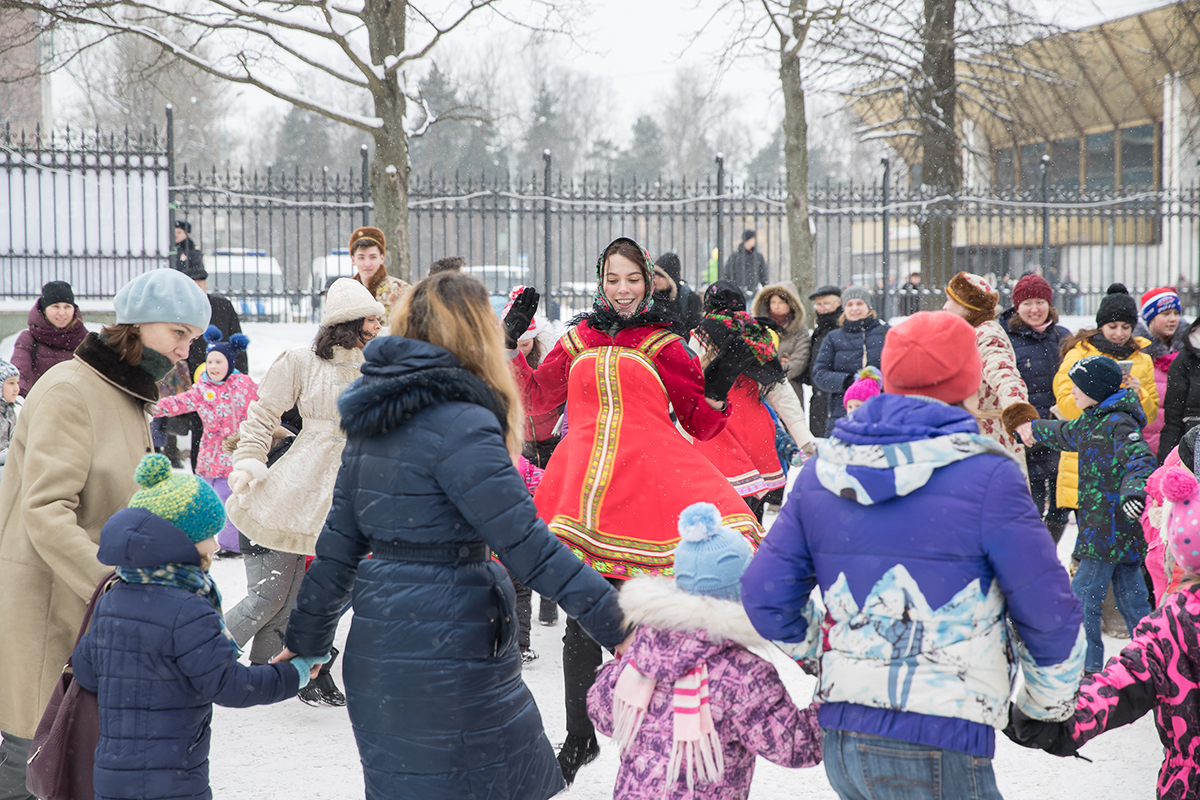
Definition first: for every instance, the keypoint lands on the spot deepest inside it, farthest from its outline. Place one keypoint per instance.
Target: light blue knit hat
(162, 295)
(710, 559)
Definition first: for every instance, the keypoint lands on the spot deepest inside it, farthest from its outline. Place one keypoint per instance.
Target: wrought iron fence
(96, 210)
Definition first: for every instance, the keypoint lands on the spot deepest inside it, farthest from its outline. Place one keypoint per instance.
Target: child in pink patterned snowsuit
(220, 397)
(1159, 670)
(690, 706)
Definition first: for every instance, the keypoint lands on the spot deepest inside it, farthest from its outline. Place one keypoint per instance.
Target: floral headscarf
(725, 318)
(600, 302)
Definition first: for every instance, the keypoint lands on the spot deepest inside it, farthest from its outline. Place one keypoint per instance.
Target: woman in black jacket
(1181, 402)
(1032, 327)
(846, 350)
(428, 488)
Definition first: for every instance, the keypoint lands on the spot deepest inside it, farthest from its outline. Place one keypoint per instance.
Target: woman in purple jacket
(55, 330)
(922, 537)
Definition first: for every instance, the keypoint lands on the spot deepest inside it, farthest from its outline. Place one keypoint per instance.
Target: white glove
(245, 473)
(239, 482)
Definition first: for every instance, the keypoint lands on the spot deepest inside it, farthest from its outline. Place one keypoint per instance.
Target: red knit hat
(1156, 301)
(1032, 287)
(932, 353)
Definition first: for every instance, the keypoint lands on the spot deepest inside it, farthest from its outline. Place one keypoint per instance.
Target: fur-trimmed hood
(400, 377)
(655, 601)
(125, 376)
(761, 306)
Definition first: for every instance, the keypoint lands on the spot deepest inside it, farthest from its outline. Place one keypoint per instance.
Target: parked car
(253, 281)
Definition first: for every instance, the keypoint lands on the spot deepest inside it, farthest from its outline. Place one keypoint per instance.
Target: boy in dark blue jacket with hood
(1114, 463)
(158, 654)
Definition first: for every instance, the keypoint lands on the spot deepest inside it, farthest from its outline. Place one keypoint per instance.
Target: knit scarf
(189, 577)
(1121, 352)
(697, 748)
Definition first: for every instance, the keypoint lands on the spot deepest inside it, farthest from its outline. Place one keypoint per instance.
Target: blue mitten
(304, 665)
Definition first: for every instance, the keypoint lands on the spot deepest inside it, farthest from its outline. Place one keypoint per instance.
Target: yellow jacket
(1066, 489)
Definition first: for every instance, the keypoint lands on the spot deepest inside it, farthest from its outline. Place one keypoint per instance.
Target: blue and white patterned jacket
(924, 541)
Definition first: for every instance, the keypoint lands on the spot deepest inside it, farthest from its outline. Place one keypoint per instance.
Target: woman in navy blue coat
(1032, 327)
(427, 487)
(856, 343)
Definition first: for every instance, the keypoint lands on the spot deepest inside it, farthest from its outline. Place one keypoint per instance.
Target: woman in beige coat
(779, 303)
(283, 508)
(78, 441)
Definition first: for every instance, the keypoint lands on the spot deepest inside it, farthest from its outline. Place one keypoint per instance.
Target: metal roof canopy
(1105, 77)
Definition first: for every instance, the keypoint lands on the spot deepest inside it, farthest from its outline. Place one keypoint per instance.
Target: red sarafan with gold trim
(614, 488)
(745, 451)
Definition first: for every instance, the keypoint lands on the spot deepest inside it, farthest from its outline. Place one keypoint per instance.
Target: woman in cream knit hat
(283, 508)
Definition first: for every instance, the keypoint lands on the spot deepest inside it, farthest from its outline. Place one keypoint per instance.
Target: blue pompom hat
(710, 558)
(230, 349)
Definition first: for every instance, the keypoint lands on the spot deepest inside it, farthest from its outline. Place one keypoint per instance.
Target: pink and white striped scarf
(697, 748)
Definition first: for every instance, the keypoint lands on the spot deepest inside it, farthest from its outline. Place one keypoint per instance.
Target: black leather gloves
(1038, 735)
(517, 320)
(732, 360)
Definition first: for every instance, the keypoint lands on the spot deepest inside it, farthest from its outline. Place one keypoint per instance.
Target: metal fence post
(887, 255)
(546, 239)
(170, 174)
(720, 209)
(1045, 214)
(366, 187)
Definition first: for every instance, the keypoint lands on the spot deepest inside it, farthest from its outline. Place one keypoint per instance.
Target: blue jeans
(1090, 585)
(865, 767)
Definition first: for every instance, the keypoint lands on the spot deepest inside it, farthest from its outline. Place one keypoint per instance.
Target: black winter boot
(321, 690)
(547, 612)
(575, 753)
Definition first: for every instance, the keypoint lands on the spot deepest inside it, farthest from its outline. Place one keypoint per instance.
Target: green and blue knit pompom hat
(185, 501)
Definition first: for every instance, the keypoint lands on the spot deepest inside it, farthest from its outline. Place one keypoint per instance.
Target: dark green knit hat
(186, 501)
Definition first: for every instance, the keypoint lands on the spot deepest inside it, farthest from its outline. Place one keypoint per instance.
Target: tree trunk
(795, 159)
(389, 187)
(940, 169)
(385, 22)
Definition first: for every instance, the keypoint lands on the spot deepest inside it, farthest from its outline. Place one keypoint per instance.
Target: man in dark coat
(909, 295)
(671, 290)
(188, 257)
(827, 301)
(225, 318)
(746, 267)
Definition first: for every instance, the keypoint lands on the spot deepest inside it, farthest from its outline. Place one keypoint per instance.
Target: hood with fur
(691, 628)
(761, 306)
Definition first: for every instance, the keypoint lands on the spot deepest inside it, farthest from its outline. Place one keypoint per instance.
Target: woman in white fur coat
(284, 508)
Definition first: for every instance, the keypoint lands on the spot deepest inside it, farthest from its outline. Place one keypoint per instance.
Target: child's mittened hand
(1133, 508)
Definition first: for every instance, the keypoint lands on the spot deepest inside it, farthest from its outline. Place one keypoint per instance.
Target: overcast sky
(635, 46)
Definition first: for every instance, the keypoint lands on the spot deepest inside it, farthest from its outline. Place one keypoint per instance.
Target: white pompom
(699, 522)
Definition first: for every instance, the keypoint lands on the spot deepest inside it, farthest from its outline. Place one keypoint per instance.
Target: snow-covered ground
(293, 750)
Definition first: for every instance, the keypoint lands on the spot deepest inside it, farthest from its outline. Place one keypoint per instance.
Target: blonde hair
(453, 311)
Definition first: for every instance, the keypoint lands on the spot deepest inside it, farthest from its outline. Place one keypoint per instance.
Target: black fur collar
(102, 358)
(610, 322)
(374, 405)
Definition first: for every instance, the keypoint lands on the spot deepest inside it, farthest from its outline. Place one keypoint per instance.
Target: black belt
(461, 552)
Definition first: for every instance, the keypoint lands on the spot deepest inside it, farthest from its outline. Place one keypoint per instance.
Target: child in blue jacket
(158, 654)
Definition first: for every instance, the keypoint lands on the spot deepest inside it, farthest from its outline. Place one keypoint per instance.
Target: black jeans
(581, 658)
(1044, 498)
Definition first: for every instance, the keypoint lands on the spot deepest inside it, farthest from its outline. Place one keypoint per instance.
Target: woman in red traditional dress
(745, 451)
(615, 486)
